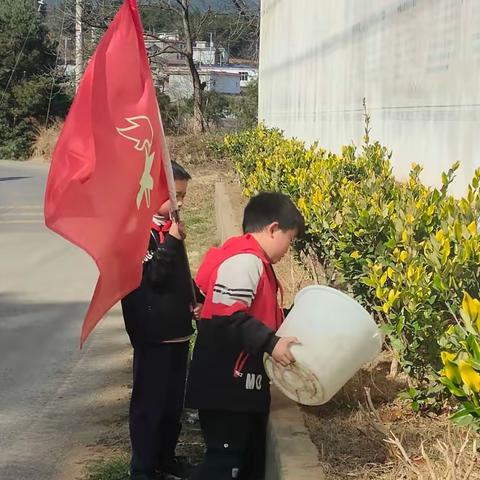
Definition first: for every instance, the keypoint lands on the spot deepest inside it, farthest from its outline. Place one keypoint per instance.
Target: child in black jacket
(227, 381)
(158, 320)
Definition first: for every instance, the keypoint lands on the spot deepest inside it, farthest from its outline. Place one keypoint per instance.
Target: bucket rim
(332, 291)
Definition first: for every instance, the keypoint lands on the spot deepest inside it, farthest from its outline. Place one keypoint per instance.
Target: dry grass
(196, 150)
(199, 212)
(45, 141)
(190, 150)
(365, 432)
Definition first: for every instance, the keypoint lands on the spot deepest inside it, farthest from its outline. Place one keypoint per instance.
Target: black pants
(235, 444)
(159, 373)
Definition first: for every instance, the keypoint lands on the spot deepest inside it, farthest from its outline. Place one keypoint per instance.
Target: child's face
(181, 191)
(277, 242)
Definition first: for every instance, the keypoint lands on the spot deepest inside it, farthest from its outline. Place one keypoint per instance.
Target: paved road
(49, 389)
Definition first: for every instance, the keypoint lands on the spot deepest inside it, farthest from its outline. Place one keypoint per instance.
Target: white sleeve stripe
(219, 285)
(237, 279)
(229, 300)
(236, 295)
(234, 290)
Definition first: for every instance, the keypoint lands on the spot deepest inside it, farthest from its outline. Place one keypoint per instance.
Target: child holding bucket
(227, 381)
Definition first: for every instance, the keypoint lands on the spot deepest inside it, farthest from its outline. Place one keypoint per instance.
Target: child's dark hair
(268, 207)
(179, 173)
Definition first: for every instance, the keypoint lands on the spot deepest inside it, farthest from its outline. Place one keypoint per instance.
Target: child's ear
(272, 228)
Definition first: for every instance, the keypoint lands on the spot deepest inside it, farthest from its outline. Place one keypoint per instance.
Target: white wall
(251, 72)
(417, 62)
(204, 55)
(252, 75)
(209, 55)
(228, 84)
(180, 86)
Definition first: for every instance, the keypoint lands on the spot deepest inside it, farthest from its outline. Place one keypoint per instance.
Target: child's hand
(177, 230)
(197, 311)
(281, 353)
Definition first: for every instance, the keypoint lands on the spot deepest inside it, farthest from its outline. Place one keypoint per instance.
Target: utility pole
(78, 43)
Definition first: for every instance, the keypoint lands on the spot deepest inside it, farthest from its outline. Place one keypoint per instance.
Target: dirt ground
(367, 432)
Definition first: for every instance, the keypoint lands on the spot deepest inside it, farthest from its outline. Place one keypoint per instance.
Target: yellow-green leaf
(451, 369)
(447, 357)
(472, 228)
(470, 377)
(470, 311)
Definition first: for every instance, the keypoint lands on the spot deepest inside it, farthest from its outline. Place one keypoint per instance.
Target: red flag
(107, 178)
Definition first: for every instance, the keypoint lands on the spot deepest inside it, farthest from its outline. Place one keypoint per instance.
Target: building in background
(208, 54)
(173, 77)
(179, 84)
(247, 73)
(170, 70)
(417, 63)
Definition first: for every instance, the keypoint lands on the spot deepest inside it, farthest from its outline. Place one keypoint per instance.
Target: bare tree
(249, 14)
(192, 26)
(189, 23)
(182, 10)
(97, 15)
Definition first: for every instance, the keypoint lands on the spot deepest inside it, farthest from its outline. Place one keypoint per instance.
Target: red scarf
(162, 229)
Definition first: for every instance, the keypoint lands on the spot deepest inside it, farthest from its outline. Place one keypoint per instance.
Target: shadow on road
(56, 399)
(8, 179)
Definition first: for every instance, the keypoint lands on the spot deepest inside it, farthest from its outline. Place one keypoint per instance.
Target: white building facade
(179, 84)
(207, 54)
(248, 73)
(417, 63)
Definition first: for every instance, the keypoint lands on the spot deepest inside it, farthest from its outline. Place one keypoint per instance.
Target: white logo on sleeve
(253, 381)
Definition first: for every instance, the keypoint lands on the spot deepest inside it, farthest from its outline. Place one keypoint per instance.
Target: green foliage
(461, 362)
(175, 115)
(239, 33)
(245, 107)
(155, 18)
(27, 61)
(406, 251)
(169, 112)
(217, 107)
(109, 469)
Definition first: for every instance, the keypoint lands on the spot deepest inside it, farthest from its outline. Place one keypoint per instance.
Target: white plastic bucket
(337, 336)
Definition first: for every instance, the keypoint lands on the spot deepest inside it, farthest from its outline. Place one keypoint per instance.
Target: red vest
(264, 306)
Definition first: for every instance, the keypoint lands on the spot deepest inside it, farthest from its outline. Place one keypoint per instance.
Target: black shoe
(177, 469)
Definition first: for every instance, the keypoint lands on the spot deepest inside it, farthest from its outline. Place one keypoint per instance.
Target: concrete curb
(291, 455)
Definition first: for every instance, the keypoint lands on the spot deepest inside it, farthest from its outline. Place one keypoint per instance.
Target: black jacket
(221, 376)
(160, 308)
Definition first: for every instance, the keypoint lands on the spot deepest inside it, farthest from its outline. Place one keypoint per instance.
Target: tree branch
(244, 10)
(167, 49)
(167, 5)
